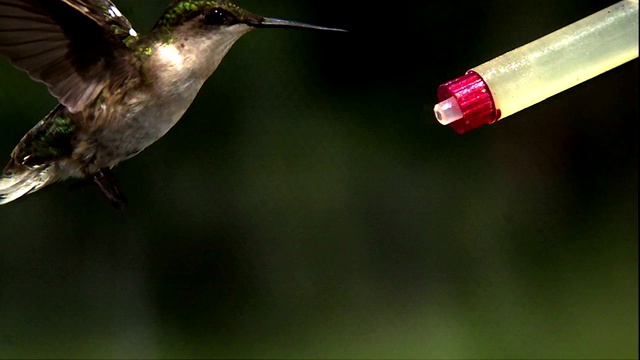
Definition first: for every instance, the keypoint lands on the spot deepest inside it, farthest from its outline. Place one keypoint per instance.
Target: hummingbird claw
(109, 187)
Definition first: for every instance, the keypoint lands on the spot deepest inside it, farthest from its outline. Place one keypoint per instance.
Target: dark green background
(309, 205)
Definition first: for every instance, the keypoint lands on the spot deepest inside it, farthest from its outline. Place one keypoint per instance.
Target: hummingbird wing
(72, 46)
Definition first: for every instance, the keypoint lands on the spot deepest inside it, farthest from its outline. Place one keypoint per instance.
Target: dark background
(309, 205)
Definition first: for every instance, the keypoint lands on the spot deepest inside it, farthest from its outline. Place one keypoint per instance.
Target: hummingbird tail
(23, 181)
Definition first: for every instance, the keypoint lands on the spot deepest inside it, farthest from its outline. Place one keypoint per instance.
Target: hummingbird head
(217, 15)
(193, 36)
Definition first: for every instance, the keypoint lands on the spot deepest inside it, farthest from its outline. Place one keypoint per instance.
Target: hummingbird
(118, 91)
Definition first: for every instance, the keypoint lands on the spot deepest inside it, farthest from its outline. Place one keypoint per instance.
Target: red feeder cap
(474, 100)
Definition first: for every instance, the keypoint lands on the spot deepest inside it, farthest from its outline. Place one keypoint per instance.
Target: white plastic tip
(448, 111)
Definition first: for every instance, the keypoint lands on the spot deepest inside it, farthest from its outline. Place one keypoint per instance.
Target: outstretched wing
(72, 46)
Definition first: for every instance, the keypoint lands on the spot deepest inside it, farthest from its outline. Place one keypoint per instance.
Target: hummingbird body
(119, 92)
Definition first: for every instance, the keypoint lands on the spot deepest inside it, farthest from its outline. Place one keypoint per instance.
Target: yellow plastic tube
(541, 69)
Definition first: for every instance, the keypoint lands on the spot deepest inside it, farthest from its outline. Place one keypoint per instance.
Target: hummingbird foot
(106, 182)
(108, 185)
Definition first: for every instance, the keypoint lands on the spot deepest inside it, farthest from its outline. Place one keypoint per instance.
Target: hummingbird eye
(219, 17)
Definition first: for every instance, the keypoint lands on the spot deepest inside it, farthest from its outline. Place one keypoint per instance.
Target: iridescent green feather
(50, 139)
(181, 10)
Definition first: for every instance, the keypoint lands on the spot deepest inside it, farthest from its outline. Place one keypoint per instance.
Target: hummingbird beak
(279, 23)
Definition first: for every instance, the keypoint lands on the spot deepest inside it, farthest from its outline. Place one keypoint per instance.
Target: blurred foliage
(309, 205)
